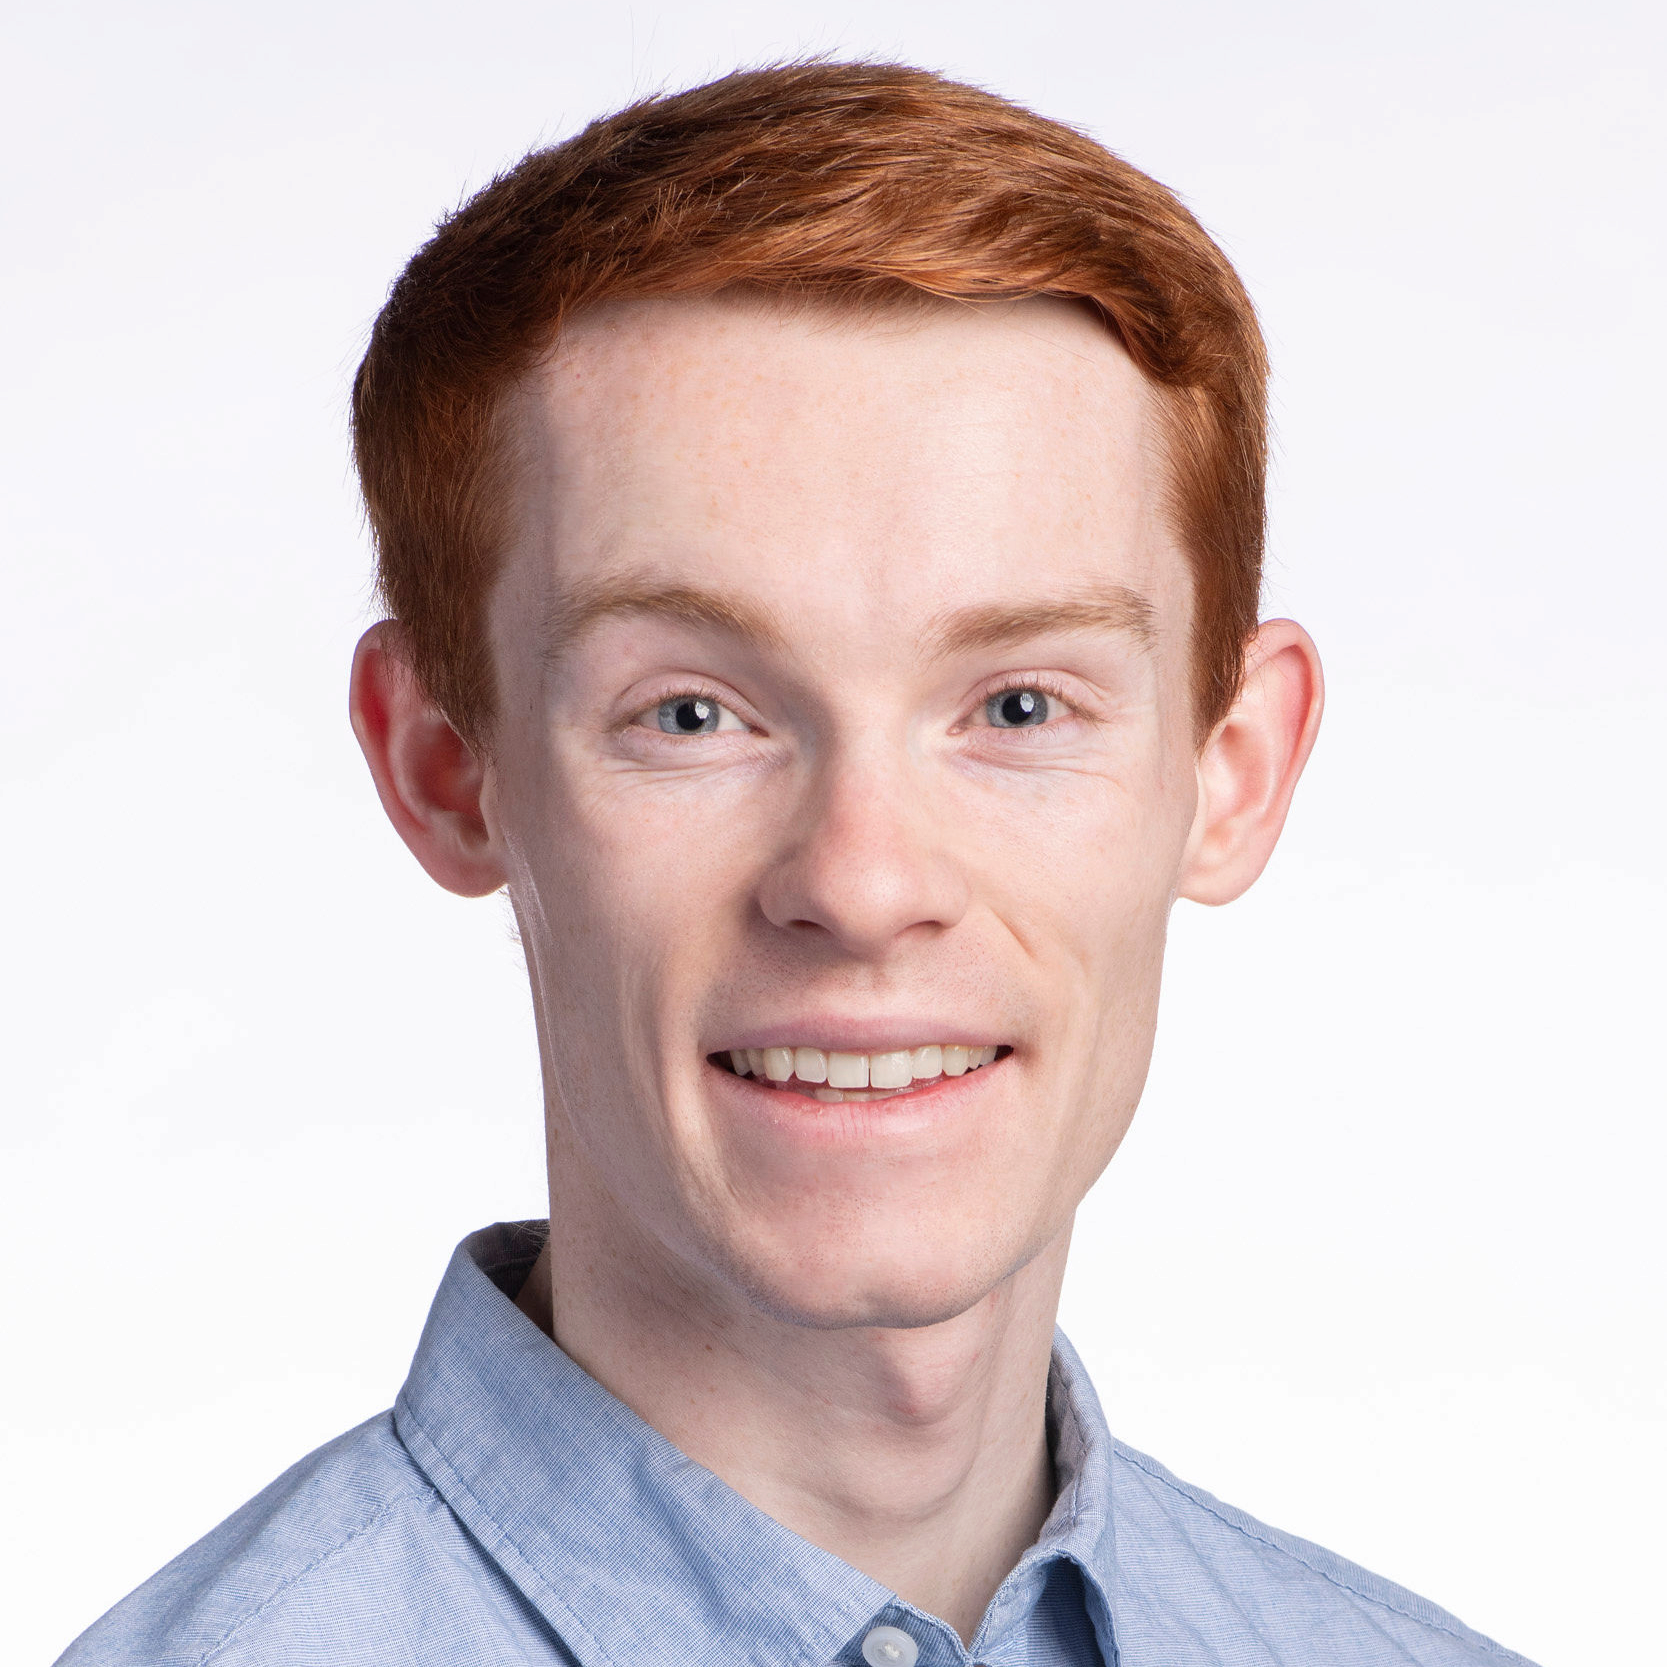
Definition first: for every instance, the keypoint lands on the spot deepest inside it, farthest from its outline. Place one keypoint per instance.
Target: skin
(849, 533)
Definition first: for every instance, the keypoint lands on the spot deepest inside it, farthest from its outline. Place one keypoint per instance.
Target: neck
(918, 1456)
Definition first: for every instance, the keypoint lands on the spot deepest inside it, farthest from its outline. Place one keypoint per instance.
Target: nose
(866, 861)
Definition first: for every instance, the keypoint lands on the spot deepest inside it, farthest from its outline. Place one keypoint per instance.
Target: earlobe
(1248, 770)
(429, 780)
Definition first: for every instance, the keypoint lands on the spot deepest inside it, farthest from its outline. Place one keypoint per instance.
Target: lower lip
(806, 1117)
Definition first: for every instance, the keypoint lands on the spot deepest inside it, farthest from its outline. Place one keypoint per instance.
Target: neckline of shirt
(632, 1551)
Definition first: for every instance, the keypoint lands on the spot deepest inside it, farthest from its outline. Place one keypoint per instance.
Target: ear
(1249, 767)
(428, 779)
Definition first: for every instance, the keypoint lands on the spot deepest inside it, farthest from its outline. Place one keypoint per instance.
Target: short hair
(846, 182)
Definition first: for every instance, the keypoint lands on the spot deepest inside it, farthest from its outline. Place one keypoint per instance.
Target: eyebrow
(1001, 625)
(581, 608)
(578, 610)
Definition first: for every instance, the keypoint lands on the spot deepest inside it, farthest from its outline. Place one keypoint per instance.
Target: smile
(837, 1077)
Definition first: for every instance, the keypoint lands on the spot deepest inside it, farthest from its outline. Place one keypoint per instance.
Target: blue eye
(1017, 709)
(689, 715)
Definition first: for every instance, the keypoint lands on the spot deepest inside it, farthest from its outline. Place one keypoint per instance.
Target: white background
(1381, 1260)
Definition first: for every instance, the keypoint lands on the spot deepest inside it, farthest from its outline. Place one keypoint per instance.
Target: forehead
(923, 453)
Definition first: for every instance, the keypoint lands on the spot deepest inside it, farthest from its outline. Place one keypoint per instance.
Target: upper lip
(849, 1034)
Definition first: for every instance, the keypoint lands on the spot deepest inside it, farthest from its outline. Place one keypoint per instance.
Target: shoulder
(1186, 1559)
(308, 1569)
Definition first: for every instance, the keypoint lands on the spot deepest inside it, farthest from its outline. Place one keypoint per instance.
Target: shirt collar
(1081, 1527)
(636, 1554)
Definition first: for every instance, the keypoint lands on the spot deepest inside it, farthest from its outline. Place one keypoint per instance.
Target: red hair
(849, 182)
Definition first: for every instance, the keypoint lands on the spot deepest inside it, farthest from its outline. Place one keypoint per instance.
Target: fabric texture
(510, 1511)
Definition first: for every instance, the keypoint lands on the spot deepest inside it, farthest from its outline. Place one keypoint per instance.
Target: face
(844, 776)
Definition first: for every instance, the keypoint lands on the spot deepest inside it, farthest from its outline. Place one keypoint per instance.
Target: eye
(691, 715)
(1021, 708)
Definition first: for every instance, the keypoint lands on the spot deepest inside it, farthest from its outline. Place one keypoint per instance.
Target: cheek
(1087, 904)
(640, 898)
(644, 858)
(1082, 865)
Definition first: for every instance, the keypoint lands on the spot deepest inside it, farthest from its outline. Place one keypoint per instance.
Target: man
(820, 519)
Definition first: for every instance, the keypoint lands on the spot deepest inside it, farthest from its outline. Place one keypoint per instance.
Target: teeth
(847, 1070)
(888, 1070)
(852, 1073)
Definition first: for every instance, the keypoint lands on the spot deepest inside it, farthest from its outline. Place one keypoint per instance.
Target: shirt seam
(1325, 1574)
(301, 1574)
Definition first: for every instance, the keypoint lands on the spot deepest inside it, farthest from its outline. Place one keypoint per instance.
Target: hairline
(896, 300)
(567, 615)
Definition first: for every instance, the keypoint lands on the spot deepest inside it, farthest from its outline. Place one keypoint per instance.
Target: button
(889, 1646)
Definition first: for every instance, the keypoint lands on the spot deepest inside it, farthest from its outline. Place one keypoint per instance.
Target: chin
(903, 1287)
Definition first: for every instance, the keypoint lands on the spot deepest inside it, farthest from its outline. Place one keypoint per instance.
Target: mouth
(835, 1078)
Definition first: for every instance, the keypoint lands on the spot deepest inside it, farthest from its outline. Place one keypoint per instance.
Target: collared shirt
(510, 1511)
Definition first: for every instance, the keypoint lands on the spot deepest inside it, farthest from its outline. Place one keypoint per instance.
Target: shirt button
(889, 1646)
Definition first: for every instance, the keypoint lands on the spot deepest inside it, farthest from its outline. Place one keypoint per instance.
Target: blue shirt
(510, 1511)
